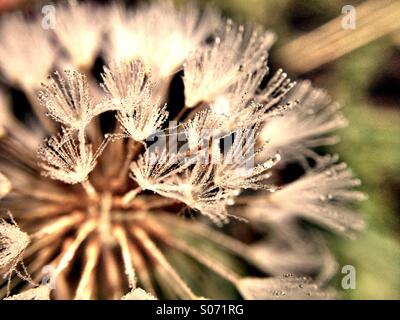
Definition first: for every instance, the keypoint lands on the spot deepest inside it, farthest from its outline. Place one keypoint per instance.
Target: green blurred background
(366, 81)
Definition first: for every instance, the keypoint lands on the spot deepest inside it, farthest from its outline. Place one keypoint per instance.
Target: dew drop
(279, 293)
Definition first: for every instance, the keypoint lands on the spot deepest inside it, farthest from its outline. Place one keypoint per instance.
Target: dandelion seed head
(320, 195)
(63, 159)
(5, 185)
(129, 187)
(307, 125)
(285, 287)
(126, 79)
(80, 30)
(212, 71)
(68, 100)
(175, 34)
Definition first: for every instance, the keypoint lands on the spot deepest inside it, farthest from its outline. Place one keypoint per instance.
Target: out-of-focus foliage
(372, 147)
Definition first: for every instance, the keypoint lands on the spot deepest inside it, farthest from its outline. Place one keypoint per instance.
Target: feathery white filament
(123, 79)
(156, 166)
(176, 32)
(307, 125)
(320, 195)
(119, 225)
(211, 71)
(68, 100)
(80, 29)
(130, 91)
(68, 160)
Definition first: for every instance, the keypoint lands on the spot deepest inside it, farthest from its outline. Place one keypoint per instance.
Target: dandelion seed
(201, 128)
(139, 113)
(195, 187)
(210, 72)
(276, 91)
(286, 287)
(65, 159)
(155, 167)
(13, 242)
(122, 43)
(68, 100)
(238, 170)
(214, 163)
(269, 257)
(40, 293)
(308, 125)
(138, 294)
(198, 190)
(143, 119)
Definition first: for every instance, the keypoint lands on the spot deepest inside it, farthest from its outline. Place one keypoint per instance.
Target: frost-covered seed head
(69, 101)
(121, 200)
(80, 29)
(65, 160)
(176, 32)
